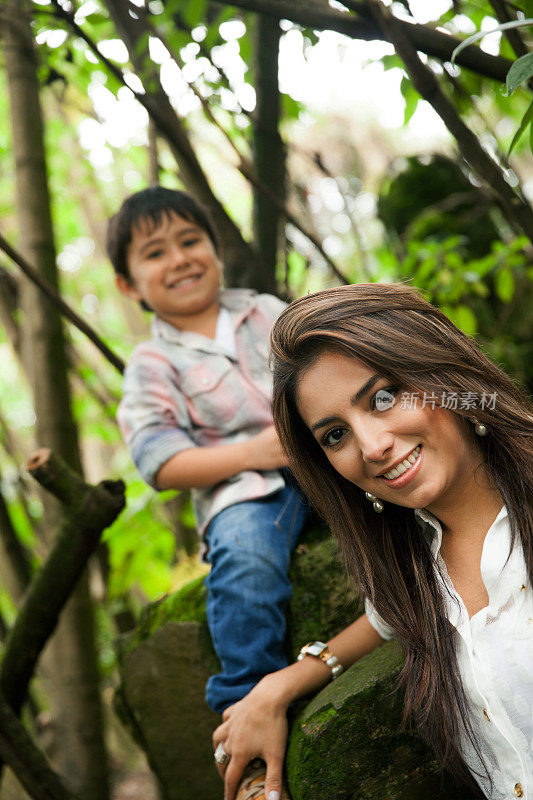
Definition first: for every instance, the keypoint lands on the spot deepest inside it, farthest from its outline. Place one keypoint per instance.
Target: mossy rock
(185, 605)
(166, 661)
(348, 743)
(161, 701)
(344, 745)
(324, 598)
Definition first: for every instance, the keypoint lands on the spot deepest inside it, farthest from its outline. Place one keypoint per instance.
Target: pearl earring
(377, 505)
(480, 429)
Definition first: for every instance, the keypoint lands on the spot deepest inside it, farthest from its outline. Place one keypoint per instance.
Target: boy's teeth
(403, 466)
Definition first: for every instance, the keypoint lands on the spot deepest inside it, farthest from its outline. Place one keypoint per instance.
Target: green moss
(347, 741)
(185, 605)
(324, 598)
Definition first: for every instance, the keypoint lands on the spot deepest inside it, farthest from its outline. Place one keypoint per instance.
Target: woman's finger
(233, 776)
(220, 734)
(226, 714)
(221, 768)
(274, 778)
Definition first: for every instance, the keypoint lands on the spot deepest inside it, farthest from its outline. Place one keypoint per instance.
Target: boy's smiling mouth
(188, 280)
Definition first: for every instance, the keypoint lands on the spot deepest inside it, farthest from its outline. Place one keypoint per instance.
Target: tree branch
(28, 763)
(52, 294)
(432, 42)
(517, 211)
(90, 509)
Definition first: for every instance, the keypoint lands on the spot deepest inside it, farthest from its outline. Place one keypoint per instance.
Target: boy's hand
(265, 451)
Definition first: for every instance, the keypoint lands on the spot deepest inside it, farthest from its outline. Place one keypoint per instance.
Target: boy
(196, 414)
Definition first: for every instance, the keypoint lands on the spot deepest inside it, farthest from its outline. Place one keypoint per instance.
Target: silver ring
(221, 757)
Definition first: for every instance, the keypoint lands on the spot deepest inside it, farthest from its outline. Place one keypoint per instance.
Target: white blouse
(495, 658)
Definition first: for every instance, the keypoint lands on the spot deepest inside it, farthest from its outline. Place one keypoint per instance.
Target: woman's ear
(126, 288)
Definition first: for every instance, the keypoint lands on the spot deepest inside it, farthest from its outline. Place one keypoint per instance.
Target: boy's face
(174, 268)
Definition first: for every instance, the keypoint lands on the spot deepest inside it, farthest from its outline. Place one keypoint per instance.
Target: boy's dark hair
(151, 205)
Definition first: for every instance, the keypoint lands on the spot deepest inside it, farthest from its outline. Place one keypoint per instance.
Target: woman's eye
(384, 398)
(190, 242)
(332, 437)
(154, 254)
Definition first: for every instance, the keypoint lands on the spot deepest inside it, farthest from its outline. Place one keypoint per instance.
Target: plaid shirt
(184, 390)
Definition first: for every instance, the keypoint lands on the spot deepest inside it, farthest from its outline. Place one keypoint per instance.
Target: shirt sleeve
(152, 415)
(377, 622)
(270, 306)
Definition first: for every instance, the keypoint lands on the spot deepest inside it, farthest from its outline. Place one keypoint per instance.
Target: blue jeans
(248, 589)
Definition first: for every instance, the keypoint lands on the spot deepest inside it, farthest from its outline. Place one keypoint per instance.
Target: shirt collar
(496, 556)
(432, 528)
(238, 302)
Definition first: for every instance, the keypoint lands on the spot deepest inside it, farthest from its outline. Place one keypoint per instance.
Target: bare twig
(53, 295)
(90, 509)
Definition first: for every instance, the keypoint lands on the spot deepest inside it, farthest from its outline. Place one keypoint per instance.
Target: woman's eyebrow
(366, 387)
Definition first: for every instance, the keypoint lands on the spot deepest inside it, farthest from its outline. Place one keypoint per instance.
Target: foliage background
(387, 200)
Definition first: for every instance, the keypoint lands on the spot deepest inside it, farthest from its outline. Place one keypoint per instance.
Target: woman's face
(418, 457)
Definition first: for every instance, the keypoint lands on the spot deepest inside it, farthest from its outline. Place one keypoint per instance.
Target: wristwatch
(320, 650)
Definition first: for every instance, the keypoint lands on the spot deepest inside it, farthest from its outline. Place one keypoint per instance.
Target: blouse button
(205, 381)
(486, 714)
(519, 792)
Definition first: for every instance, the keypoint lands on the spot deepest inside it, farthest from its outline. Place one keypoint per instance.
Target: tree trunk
(71, 664)
(269, 155)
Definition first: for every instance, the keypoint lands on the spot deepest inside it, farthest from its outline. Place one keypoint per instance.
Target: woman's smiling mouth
(403, 472)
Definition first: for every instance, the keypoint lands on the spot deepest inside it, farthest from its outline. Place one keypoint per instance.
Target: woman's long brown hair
(394, 330)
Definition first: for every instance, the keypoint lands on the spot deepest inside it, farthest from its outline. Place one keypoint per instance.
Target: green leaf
(291, 107)
(391, 61)
(505, 284)
(463, 317)
(521, 71)
(526, 120)
(245, 48)
(411, 98)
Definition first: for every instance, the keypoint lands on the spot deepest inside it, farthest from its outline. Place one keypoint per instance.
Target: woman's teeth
(406, 464)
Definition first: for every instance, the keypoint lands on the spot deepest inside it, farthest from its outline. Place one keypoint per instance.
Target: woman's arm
(256, 726)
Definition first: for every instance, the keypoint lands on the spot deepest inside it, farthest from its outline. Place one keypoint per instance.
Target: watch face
(316, 648)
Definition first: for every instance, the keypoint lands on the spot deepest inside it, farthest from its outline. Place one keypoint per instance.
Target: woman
(417, 452)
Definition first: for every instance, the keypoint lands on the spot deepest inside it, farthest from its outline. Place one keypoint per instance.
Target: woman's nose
(374, 440)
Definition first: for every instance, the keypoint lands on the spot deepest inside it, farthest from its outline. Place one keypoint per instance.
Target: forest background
(332, 143)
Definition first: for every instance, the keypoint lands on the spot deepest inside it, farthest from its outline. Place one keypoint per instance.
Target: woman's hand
(255, 727)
